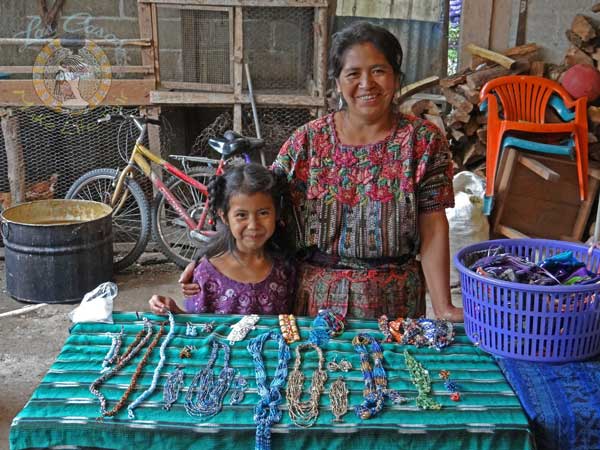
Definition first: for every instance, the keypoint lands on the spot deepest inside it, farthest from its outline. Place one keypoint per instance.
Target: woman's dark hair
(360, 33)
(246, 179)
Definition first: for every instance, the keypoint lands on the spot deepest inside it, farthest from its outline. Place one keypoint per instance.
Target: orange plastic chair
(524, 101)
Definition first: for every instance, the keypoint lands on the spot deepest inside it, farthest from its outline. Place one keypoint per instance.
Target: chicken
(41, 190)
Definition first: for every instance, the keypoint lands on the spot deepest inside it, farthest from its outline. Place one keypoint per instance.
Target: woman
(369, 188)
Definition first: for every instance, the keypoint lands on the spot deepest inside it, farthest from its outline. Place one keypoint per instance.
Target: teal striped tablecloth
(62, 411)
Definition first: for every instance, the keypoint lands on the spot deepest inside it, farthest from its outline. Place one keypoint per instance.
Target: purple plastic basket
(523, 321)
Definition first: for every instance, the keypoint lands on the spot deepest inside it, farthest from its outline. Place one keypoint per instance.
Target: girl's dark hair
(246, 179)
(360, 33)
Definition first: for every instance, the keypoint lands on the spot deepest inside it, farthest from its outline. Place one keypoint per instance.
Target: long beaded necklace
(172, 387)
(338, 398)
(420, 378)
(375, 388)
(205, 395)
(130, 352)
(266, 412)
(144, 395)
(138, 371)
(304, 414)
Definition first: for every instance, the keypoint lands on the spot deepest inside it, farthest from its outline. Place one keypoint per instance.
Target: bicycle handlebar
(120, 116)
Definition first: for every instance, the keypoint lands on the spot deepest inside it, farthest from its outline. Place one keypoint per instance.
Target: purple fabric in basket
(562, 401)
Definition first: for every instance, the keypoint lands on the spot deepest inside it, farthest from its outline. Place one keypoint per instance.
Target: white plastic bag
(468, 224)
(97, 305)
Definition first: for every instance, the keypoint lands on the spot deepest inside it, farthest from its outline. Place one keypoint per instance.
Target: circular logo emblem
(71, 76)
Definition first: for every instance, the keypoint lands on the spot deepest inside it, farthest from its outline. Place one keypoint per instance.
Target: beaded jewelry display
(342, 366)
(450, 385)
(384, 327)
(238, 390)
(338, 398)
(113, 351)
(289, 329)
(139, 341)
(161, 362)
(304, 414)
(327, 324)
(190, 329)
(205, 395)
(207, 327)
(136, 374)
(420, 378)
(267, 412)
(375, 388)
(240, 330)
(172, 387)
(421, 332)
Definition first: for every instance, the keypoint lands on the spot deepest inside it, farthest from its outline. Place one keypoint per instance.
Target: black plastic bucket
(56, 250)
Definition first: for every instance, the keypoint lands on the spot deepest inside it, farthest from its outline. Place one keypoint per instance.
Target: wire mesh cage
(59, 147)
(276, 125)
(195, 44)
(280, 38)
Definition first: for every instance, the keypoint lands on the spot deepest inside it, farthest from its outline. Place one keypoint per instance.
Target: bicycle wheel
(131, 221)
(169, 230)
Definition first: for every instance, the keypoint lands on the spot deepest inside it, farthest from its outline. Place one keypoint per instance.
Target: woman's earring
(340, 101)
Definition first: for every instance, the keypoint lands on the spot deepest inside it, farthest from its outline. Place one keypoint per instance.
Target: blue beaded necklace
(144, 395)
(375, 388)
(266, 412)
(205, 395)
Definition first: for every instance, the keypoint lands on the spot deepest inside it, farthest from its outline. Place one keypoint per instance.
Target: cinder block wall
(89, 19)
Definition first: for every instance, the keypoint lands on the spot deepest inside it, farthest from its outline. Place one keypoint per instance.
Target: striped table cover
(62, 412)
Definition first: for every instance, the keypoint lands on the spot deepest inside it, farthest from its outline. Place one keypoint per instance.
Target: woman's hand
(161, 305)
(188, 287)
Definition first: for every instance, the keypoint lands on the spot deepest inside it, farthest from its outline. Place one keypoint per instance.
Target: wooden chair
(519, 104)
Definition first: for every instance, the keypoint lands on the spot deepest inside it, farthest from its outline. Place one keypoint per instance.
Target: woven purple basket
(522, 321)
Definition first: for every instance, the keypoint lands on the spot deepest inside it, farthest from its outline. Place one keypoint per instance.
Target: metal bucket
(56, 250)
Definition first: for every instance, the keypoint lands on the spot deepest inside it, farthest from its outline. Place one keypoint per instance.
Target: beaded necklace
(327, 324)
(420, 378)
(266, 412)
(375, 388)
(130, 352)
(304, 414)
(172, 387)
(138, 371)
(338, 398)
(144, 395)
(113, 351)
(205, 395)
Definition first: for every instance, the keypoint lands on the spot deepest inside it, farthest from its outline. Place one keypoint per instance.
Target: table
(62, 411)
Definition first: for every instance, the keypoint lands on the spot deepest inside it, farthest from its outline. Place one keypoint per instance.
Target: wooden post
(320, 70)
(238, 69)
(14, 155)
(475, 25)
(149, 54)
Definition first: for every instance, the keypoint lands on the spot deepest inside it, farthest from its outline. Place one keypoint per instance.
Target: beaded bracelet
(327, 324)
(289, 329)
(241, 329)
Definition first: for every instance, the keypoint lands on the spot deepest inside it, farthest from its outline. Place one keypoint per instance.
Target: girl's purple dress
(222, 295)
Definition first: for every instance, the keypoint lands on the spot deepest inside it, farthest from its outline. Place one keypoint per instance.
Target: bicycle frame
(140, 156)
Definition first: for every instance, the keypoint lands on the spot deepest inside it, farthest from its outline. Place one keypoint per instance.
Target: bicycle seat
(235, 145)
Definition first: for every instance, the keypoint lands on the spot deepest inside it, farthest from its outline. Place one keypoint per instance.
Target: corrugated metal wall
(424, 42)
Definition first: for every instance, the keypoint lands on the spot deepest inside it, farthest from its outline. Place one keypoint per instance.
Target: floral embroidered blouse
(220, 294)
(363, 201)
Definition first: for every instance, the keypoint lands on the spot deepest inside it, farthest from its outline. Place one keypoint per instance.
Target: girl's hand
(188, 287)
(161, 305)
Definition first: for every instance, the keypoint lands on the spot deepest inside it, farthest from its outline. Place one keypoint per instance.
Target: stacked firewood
(463, 122)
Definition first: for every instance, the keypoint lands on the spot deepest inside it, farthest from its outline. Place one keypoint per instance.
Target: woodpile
(464, 124)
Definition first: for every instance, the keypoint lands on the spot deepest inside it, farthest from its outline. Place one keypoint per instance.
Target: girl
(244, 270)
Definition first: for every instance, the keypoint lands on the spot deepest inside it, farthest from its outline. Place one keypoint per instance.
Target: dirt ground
(30, 342)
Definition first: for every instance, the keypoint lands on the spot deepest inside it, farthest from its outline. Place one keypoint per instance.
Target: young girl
(244, 270)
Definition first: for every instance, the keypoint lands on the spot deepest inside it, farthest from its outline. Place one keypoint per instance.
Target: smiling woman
(369, 188)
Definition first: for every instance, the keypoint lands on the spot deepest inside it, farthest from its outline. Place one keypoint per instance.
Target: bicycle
(179, 211)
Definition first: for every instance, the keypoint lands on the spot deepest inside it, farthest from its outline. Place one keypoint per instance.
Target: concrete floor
(30, 342)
